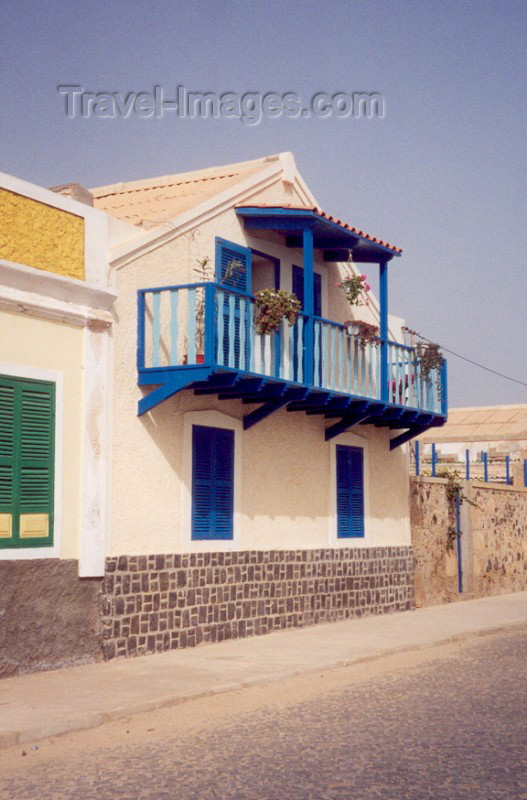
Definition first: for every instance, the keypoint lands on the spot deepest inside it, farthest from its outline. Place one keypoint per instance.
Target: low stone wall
(499, 541)
(162, 602)
(435, 565)
(493, 541)
(49, 617)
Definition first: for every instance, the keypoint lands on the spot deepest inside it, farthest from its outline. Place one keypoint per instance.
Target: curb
(95, 720)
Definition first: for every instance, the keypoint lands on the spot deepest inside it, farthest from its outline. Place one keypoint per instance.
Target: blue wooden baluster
(242, 334)
(292, 337)
(300, 349)
(316, 353)
(156, 330)
(370, 370)
(341, 359)
(191, 326)
(221, 327)
(174, 297)
(232, 328)
(356, 348)
(251, 337)
(348, 364)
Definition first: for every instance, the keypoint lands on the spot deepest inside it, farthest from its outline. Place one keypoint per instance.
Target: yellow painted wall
(38, 235)
(60, 348)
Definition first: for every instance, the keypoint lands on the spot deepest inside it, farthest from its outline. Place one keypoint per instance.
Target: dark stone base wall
(162, 602)
(49, 617)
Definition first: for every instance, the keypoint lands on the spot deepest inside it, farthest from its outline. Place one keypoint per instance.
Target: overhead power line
(470, 360)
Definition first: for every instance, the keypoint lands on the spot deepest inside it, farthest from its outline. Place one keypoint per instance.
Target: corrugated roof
(481, 424)
(152, 202)
(336, 220)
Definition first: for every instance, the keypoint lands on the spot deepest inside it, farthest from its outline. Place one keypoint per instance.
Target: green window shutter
(27, 434)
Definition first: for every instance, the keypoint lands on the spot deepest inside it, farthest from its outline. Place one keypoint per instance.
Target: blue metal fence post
(309, 300)
(507, 470)
(485, 467)
(383, 328)
(467, 465)
(417, 464)
(525, 472)
(458, 543)
(434, 456)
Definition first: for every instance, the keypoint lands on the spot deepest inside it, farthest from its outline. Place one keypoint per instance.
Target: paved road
(451, 728)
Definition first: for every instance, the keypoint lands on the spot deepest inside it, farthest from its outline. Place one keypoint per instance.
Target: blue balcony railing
(183, 327)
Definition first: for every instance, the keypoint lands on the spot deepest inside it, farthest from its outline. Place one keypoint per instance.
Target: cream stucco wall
(286, 498)
(32, 344)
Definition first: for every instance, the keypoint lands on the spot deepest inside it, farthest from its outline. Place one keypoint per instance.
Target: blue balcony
(202, 337)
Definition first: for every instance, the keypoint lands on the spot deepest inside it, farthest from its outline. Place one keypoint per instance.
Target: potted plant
(367, 332)
(205, 274)
(272, 306)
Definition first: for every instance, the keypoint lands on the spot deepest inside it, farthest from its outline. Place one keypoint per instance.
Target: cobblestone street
(450, 726)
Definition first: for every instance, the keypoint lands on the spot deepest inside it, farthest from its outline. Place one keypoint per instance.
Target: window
(350, 492)
(298, 289)
(27, 435)
(212, 483)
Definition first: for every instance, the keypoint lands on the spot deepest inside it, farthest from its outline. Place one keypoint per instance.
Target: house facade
(259, 481)
(55, 383)
(206, 480)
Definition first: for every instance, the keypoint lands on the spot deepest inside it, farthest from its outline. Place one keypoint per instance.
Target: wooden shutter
(239, 281)
(350, 492)
(212, 483)
(27, 433)
(7, 461)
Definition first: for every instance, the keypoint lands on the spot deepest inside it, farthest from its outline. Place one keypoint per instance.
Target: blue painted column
(383, 328)
(309, 303)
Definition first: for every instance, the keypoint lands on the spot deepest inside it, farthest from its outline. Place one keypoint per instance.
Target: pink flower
(337, 285)
(363, 277)
(367, 302)
(367, 287)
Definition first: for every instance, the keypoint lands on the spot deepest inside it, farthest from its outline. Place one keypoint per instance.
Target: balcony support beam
(174, 383)
(402, 438)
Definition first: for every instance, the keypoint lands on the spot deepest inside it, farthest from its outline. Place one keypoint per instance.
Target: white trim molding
(43, 294)
(350, 440)
(212, 419)
(56, 377)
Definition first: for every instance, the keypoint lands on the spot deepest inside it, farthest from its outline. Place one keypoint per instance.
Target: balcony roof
(331, 234)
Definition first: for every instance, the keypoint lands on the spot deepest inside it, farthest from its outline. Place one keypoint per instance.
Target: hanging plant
(431, 358)
(367, 332)
(272, 306)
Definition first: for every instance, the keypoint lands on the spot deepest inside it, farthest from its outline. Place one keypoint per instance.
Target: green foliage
(366, 332)
(454, 489)
(272, 306)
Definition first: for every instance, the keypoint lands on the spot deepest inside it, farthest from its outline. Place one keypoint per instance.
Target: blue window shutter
(298, 289)
(350, 492)
(212, 483)
(240, 281)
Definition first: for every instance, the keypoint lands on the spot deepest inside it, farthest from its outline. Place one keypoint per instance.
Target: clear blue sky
(443, 175)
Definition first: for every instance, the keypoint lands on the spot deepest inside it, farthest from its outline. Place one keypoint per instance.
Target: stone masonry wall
(49, 617)
(499, 541)
(161, 602)
(493, 541)
(435, 565)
